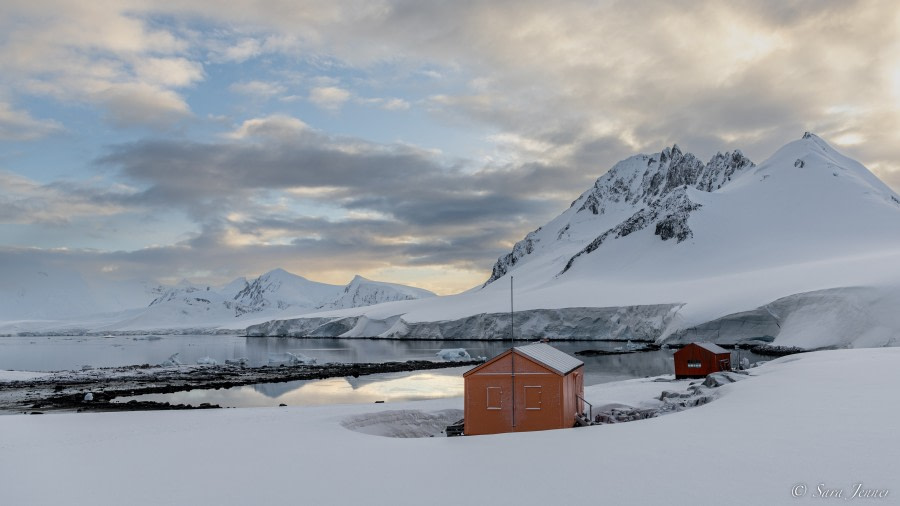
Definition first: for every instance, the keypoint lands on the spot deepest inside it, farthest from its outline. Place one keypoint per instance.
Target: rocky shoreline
(68, 390)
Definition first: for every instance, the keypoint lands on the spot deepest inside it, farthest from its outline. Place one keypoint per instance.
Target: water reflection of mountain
(275, 390)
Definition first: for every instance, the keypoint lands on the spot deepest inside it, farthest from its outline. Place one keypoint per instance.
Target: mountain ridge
(663, 247)
(652, 188)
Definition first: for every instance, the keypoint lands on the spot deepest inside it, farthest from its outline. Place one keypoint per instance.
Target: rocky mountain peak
(648, 191)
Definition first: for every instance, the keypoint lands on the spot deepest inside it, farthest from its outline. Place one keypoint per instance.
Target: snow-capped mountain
(665, 247)
(272, 292)
(279, 289)
(365, 292)
(201, 308)
(644, 191)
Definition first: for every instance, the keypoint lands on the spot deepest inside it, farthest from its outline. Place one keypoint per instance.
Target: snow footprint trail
(669, 401)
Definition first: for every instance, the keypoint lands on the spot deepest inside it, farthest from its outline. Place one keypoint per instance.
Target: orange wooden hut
(696, 360)
(531, 387)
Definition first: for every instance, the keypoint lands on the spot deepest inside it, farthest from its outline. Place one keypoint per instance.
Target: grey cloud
(457, 214)
(407, 184)
(595, 82)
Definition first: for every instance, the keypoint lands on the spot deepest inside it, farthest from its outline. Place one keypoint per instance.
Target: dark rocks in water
(775, 351)
(600, 353)
(128, 382)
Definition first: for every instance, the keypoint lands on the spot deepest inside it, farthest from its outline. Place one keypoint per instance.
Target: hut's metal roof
(712, 347)
(563, 363)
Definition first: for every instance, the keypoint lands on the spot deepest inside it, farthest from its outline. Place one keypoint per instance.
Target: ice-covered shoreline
(836, 317)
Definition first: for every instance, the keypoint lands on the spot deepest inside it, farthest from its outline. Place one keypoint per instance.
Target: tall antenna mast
(512, 355)
(512, 332)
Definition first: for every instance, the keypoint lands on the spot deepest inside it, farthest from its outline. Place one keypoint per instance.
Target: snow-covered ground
(7, 376)
(820, 420)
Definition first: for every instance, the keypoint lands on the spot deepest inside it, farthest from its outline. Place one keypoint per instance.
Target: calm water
(64, 353)
(392, 387)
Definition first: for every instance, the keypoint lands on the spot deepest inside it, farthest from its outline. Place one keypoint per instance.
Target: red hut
(531, 387)
(696, 360)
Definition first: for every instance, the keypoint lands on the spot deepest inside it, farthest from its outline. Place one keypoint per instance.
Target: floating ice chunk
(454, 355)
(207, 361)
(288, 358)
(88, 396)
(171, 361)
(146, 338)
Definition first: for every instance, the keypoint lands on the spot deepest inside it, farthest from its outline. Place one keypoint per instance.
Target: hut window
(693, 364)
(533, 397)
(493, 397)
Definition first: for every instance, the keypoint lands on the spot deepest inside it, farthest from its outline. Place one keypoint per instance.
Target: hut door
(494, 398)
(532, 398)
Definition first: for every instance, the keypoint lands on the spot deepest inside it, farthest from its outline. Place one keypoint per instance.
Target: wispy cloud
(258, 89)
(17, 125)
(329, 97)
(27, 202)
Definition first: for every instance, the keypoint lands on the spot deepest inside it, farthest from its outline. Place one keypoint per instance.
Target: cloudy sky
(407, 141)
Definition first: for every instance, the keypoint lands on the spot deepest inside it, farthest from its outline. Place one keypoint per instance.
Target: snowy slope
(663, 244)
(32, 289)
(365, 292)
(793, 422)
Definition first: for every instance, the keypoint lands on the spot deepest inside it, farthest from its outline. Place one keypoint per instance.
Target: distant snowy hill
(365, 292)
(666, 247)
(199, 308)
(279, 289)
